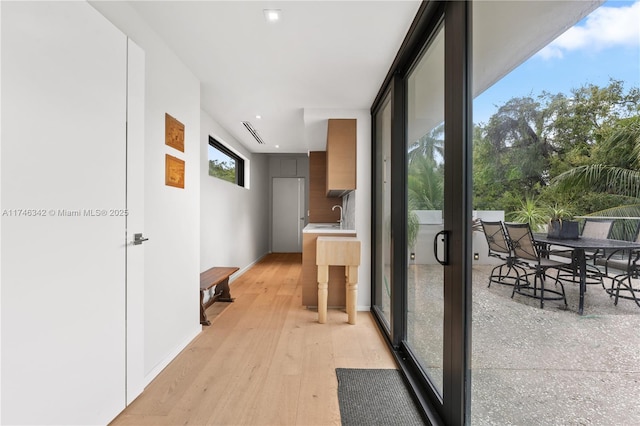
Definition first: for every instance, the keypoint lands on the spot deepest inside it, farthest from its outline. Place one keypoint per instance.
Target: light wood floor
(265, 360)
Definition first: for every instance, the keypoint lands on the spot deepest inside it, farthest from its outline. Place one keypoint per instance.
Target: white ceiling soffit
(320, 55)
(507, 33)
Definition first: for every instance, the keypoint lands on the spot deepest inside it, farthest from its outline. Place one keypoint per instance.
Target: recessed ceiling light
(258, 117)
(277, 146)
(272, 15)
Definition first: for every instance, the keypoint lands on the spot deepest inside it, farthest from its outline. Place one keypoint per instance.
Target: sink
(332, 228)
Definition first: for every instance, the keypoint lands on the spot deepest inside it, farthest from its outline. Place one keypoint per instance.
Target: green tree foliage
(431, 145)
(426, 172)
(222, 170)
(615, 167)
(425, 184)
(530, 212)
(511, 155)
(587, 144)
(620, 146)
(584, 119)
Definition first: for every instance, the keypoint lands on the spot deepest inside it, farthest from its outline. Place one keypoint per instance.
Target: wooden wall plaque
(173, 133)
(174, 171)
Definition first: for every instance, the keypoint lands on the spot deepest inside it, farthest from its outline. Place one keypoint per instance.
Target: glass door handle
(445, 240)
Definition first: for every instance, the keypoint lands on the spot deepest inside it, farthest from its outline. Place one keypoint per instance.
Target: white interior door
(64, 109)
(135, 221)
(288, 215)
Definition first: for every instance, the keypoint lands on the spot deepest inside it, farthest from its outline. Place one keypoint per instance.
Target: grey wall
(234, 221)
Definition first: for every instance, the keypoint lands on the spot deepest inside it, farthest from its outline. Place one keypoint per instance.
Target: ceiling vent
(253, 132)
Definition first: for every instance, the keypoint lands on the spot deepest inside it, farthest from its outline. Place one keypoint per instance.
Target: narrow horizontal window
(224, 163)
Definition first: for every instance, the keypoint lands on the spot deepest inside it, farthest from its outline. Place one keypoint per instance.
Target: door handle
(445, 240)
(138, 239)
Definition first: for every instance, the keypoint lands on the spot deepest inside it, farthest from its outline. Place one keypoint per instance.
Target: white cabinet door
(135, 221)
(64, 99)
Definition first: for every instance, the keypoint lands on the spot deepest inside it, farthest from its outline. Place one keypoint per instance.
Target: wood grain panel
(173, 133)
(337, 289)
(265, 360)
(341, 156)
(319, 204)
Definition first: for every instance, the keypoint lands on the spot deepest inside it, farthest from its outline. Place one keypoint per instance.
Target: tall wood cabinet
(341, 156)
(319, 204)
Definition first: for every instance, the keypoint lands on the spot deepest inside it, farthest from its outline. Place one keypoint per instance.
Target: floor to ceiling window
(473, 353)
(556, 93)
(425, 194)
(382, 198)
(422, 209)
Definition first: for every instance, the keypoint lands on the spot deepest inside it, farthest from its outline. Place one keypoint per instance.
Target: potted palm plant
(560, 226)
(530, 212)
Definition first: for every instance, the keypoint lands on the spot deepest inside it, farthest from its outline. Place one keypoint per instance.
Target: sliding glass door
(425, 165)
(422, 182)
(422, 231)
(382, 176)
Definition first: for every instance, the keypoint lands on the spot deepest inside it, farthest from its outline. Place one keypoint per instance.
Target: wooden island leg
(323, 292)
(352, 293)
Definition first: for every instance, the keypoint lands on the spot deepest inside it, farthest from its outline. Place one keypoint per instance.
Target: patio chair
(499, 248)
(596, 228)
(592, 228)
(528, 257)
(622, 266)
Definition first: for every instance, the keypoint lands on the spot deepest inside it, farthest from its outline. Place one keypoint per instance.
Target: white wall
(234, 221)
(64, 141)
(313, 120)
(172, 215)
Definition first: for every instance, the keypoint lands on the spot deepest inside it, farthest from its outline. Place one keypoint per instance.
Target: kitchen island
(338, 251)
(336, 297)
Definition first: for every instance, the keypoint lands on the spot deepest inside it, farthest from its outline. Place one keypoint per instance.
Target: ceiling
(330, 57)
(321, 55)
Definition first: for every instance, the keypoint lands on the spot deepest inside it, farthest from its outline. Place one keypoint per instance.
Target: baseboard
(246, 268)
(171, 356)
(174, 353)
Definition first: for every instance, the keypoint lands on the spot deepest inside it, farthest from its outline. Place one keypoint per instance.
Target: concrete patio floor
(533, 366)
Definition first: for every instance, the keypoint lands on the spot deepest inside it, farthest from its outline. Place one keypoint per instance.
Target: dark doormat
(375, 397)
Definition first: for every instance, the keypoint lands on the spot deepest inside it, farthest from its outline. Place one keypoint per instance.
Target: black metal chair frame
(527, 257)
(624, 281)
(629, 269)
(594, 275)
(499, 248)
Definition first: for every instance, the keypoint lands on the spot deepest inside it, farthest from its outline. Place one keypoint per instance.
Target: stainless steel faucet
(341, 218)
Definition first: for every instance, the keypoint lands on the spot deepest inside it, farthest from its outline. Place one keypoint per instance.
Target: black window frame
(454, 406)
(239, 160)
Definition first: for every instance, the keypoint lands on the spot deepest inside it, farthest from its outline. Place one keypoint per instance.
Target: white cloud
(605, 27)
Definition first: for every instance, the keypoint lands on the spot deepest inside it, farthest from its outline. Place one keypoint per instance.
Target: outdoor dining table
(579, 246)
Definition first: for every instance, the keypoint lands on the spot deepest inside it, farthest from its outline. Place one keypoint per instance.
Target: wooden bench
(218, 277)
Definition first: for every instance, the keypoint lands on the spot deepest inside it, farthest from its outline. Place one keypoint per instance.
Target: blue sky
(604, 45)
